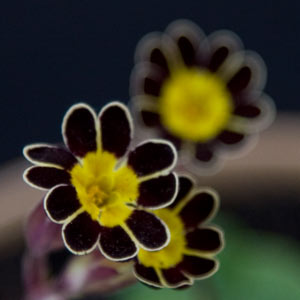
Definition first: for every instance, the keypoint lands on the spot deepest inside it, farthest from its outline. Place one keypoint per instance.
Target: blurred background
(56, 53)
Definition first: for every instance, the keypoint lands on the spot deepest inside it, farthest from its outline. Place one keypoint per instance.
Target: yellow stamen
(103, 190)
(195, 104)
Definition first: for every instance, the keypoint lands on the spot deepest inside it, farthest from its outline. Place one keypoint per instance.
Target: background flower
(202, 93)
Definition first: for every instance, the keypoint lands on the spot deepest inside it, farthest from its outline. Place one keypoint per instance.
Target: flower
(193, 244)
(202, 93)
(101, 194)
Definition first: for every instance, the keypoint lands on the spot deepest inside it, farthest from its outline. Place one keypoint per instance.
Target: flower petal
(46, 177)
(146, 275)
(247, 110)
(116, 128)
(158, 192)
(175, 278)
(228, 137)
(218, 56)
(49, 155)
(185, 185)
(158, 58)
(152, 157)
(188, 36)
(61, 202)
(222, 43)
(115, 244)
(81, 234)
(200, 207)
(150, 232)
(150, 118)
(153, 50)
(240, 80)
(198, 267)
(80, 129)
(205, 239)
(204, 152)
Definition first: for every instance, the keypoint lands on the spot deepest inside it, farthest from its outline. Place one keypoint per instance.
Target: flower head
(193, 245)
(100, 192)
(202, 93)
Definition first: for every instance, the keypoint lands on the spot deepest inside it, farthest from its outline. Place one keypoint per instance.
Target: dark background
(54, 53)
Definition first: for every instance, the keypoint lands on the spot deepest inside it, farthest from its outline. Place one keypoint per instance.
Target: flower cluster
(202, 93)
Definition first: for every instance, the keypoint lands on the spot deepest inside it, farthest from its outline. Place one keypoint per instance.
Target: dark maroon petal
(188, 38)
(217, 58)
(240, 80)
(250, 111)
(150, 119)
(187, 50)
(198, 266)
(204, 152)
(50, 155)
(79, 130)
(61, 202)
(115, 244)
(148, 230)
(81, 234)
(158, 192)
(46, 177)
(157, 57)
(175, 278)
(204, 239)
(185, 186)
(198, 209)
(229, 137)
(151, 157)
(116, 128)
(147, 275)
(152, 87)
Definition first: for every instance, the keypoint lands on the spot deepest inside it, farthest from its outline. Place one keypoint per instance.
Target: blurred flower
(101, 195)
(190, 253)
(202, 93)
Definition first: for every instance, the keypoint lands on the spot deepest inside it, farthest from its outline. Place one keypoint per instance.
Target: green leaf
(257, 265)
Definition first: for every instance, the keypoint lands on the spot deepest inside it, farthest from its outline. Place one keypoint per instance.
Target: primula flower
(100, 193)
(190, 253)
(202, 93)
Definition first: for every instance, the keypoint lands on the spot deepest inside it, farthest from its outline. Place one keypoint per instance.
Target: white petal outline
(37, 186)
(142, 279)
(122, 258)
(70, 111)
(205, 275)
(209, 253)
(132, 235)
(34, 146)
(87, 251)
(69, 218)
(127, 113)
(166, 203)
(197, 191)
(165, 171)
(188, 281)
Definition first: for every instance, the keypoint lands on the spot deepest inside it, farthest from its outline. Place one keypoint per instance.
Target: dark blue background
(54, 53)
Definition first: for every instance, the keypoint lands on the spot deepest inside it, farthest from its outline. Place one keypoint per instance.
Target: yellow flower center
(103, 190)
(173, 252)
(195, 104)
